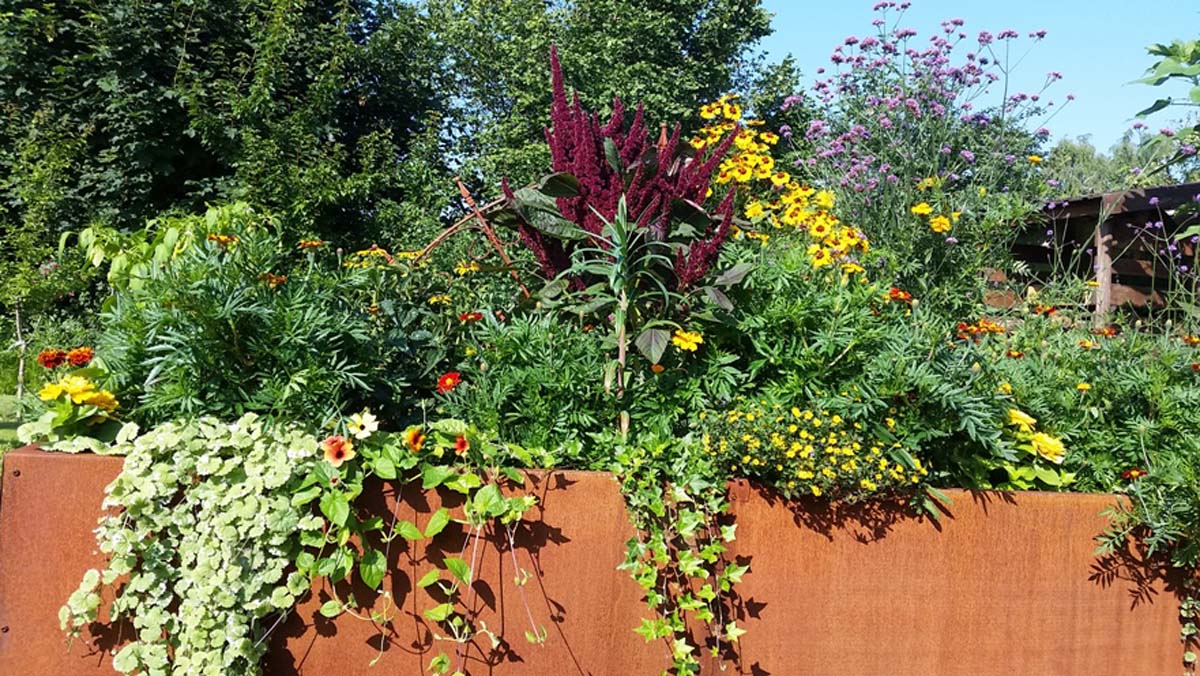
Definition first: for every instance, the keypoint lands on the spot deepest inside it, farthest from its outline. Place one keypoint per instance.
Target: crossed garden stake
(483, 226)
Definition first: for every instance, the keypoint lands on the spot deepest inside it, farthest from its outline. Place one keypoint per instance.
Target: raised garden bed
(1006, 584)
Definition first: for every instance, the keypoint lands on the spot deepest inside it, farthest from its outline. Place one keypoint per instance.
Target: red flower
(1107, 331)
(470, 317)
(461, 445)
(448, 382)
(81, 356)
(338, 449)
(1133, 474)
(1196, 367)
(897, 296)
(1045, 310)
(1014, 354)
(52, 359)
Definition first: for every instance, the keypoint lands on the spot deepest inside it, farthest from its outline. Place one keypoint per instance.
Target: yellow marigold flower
(816, 491)
(440, 298)
(754, 209)
(688, 341)
(1048, 447)
(1083, 387)
(1035, 159)
(922, 209)
(50, 392)
(1021, 420)
(939, 224)
(1005, 388)
(824, 199)
(103, 400)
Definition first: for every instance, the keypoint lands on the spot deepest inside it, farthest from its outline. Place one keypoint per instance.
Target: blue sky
(1098, 46)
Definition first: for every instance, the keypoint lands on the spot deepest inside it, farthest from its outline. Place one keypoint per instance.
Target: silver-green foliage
(200, 533)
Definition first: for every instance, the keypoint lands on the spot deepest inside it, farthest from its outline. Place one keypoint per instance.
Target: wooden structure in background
(1114, 238)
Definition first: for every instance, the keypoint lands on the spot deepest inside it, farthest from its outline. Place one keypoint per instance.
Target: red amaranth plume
(651, 178)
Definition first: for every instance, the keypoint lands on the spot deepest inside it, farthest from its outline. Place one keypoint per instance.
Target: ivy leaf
(437, 522)
(733, 632)
(372, 568)
(335, 507)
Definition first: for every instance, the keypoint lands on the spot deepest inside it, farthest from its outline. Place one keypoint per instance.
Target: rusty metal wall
(1006, 584)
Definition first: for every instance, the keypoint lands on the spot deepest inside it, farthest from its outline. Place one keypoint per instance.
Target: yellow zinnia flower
(939, 224)
(922, 209)
(50, 392)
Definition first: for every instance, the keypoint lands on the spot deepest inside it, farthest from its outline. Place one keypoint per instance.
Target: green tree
(310, 109)
(670, 55)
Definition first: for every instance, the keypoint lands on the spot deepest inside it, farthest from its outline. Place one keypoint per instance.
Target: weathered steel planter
(1006, 585)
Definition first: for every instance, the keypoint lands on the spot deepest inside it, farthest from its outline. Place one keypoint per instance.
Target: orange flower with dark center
(52, 359)
(1110, 331)
(467, 317)
(81, 356)
(461, 445)
(311, 244)
(414, 439)
(1046, 310)
(1014, 354)
(338, 449)
(1191, 340)
(1133, 473)
(448, 382)
(272, 280)
(897, 296)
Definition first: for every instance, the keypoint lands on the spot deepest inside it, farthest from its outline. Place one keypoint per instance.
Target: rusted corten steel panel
(1006, 584)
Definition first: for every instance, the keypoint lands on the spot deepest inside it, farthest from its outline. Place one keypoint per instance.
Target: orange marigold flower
(1088, 345)
(1191, 340)
(467, 317)
(81, 356)
(461, 445)
(52, 359)
(222, 241)
(1109, 331)
(448, 382)
(1014, 354)
(1045, 310)
(338, 449)
(311, 244)
(1133, 473)
(414, 439)
(897, 296)
(272, 280)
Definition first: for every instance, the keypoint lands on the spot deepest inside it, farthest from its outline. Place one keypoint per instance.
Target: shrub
(243, 320)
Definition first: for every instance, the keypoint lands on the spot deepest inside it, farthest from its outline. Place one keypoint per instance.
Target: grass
(8, 423)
